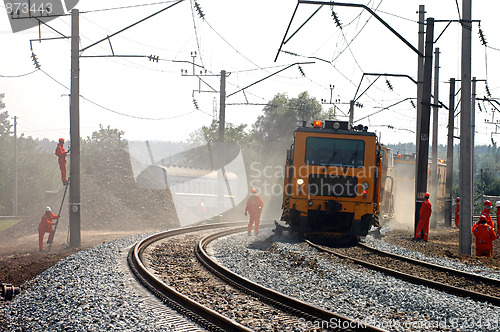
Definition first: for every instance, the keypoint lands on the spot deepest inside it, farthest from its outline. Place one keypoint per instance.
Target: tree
(37, 170)
(210, 134)
(274, 129)
(102, 148)
(202, 155)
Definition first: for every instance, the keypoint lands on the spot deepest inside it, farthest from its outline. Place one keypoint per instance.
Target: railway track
(450, 280)
(280, 308)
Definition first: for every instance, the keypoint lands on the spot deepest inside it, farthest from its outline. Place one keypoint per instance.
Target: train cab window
(335, 152)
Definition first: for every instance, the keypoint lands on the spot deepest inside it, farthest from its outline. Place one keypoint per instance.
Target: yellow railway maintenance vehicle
(332, 182)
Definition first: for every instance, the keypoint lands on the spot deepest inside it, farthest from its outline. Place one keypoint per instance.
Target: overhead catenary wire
(127, 7)
(18, 75)
(307, 77)
(196, 32)
(120, 113)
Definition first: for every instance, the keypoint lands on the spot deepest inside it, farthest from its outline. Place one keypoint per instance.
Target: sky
(152, 100)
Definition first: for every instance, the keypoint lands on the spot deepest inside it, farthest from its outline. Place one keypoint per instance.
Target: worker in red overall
(457, 210)
(497, 205)
(485, 234)
(61, 153)
(486, 212)
(422, 232)
(46, 227)
(254, 208)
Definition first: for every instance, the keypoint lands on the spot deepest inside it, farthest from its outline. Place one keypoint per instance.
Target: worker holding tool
(61, 153)
(46, 227)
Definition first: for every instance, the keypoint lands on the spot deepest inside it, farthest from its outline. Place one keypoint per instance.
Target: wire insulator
(154, 58)
(481, 36)
(302, 71)
(389, 85)
(488, 91)
(35, 60)
(336, 19)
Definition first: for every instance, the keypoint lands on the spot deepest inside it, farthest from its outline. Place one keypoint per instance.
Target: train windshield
(340, 152)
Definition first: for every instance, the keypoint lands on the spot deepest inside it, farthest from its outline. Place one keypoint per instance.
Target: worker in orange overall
(486, 212)
(422, 232)
(254, 208)
(485, 234)
(457, 210)
(46, 227)
(497, 205)
(61, 153)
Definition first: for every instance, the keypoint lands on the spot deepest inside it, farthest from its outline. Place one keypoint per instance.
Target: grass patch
(7, 223)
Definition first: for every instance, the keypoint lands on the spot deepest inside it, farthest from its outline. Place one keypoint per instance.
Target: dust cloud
(202, 185)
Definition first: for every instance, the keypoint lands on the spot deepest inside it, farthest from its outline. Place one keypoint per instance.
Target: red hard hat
(61, 140)
(458, 199)
(253, 190)
(487, 203)
(482, 217)
(427, 195)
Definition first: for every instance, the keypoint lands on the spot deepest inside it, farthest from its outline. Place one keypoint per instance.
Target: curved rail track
(200, 314)
(207, 317)
(460, 283)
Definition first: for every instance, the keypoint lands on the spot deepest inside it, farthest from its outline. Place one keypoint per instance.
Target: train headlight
(300, 182)
(336, 125)
(365, 185)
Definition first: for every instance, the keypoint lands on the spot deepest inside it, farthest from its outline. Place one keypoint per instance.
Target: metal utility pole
(473, 123)
(466, 142)
(16, 206)
(74, 178)
(222, 150)
(222, 113)
(449, 157)
(423, 139)
(420, 82)
(351, 113)
(434, 170)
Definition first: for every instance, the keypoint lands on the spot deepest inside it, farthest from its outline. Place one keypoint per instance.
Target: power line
(126, 7)
(196, 32)
(458, 9)
(20, 75)
(116, 112)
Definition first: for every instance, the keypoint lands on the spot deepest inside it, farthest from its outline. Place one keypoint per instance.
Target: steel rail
(283, 302)
(476, 277)
(411, 278)
(202, 315)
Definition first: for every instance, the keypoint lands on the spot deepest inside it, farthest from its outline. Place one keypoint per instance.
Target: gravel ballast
(92, 290)
(88, 291)
(297, 270)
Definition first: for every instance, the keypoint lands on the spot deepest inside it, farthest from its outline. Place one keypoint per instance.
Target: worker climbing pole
(61, 154)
